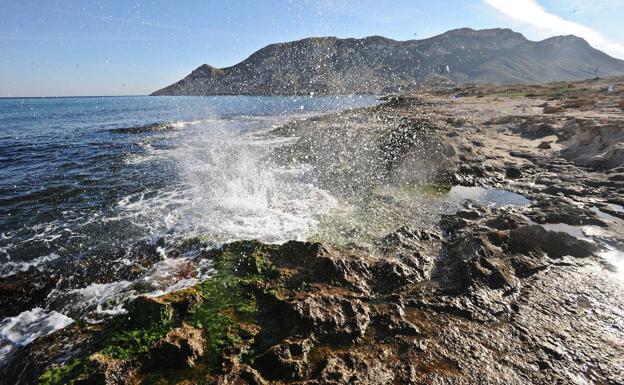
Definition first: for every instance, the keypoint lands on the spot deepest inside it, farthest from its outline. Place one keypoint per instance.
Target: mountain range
(373, 65)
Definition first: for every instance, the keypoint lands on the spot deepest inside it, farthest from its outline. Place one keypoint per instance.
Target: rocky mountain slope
(329, 65)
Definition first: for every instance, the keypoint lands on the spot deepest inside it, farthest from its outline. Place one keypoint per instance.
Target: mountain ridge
(376, 64)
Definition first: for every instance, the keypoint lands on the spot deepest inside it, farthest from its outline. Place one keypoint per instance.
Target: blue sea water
(70, 183)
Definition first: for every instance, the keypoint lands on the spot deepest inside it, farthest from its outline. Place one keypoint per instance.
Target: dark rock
(513, 172)
(390, 275)
(104, 370)
(562, 210)
(391, 321)
(241, 374)
(338, 270)
(24, 290)
(182, 301)
(616, 177)
(165, 126)
(333, 319)
(469, 214)
(544, 146)
(529, 264)
(288, 360)
(452, 223)
(533, 238)
(477, 261)
(146, 312)
(180, 348)
(506, 221)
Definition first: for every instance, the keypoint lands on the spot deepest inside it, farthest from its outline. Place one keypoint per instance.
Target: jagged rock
(354, 369)
(352, 272)
(23, 291)
(477, 261)
(241, 374)
(452, 223)
(182, 301)
(532, 238)
(145, 312)
(391, 321)
(288, 360)
(507, 221)
(334, 319)
(562, 210)
(104, 370)
(390, 275)
(544, 145)
(180, 348)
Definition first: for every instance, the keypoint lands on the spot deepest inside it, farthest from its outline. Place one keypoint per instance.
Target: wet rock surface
(488, 293)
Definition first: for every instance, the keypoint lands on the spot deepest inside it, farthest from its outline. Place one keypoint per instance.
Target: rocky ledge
(483, 294)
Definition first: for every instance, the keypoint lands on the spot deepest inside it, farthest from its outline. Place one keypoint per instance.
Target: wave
(27, 326)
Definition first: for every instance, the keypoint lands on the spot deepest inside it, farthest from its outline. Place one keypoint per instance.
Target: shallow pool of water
(489, 197)
(605, 216)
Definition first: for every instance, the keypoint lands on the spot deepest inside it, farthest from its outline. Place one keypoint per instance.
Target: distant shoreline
(68, 97)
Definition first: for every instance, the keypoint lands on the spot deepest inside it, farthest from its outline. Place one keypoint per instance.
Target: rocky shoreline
(493, 294)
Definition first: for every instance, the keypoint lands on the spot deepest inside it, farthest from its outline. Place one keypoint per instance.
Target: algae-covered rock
(180, 348)
(103, 370)
(145, 312)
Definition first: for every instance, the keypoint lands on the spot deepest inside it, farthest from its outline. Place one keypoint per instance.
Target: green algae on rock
(223, 308)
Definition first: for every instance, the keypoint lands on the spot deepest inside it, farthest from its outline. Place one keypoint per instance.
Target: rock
(616, 177)
(288, 360)
(334, 319)
(182, 301)
(552, 109)
(495, 272)
(562, 210)
(146, 312)
(452, 223)
(180, 348)
(506, 221)
(23, 291)
(544, 145)
(104, 370)
(354, 369)
(391, 321)
(478, 262)
(534, 238)
(341, 270)
(469, 214)
(241, 374)
(391, 275)
(513, 172)
(529, 264)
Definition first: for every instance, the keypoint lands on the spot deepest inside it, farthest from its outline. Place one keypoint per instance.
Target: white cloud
(530, 12)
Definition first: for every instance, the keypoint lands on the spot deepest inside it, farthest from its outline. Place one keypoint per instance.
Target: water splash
(227, 189)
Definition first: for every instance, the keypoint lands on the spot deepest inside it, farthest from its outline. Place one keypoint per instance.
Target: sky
(115, 47)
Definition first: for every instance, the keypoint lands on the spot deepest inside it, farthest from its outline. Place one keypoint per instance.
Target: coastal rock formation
(481, 292)
(483, 311)
(375, 64)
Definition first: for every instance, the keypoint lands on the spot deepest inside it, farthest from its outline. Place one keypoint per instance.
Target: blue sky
(135, 47)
